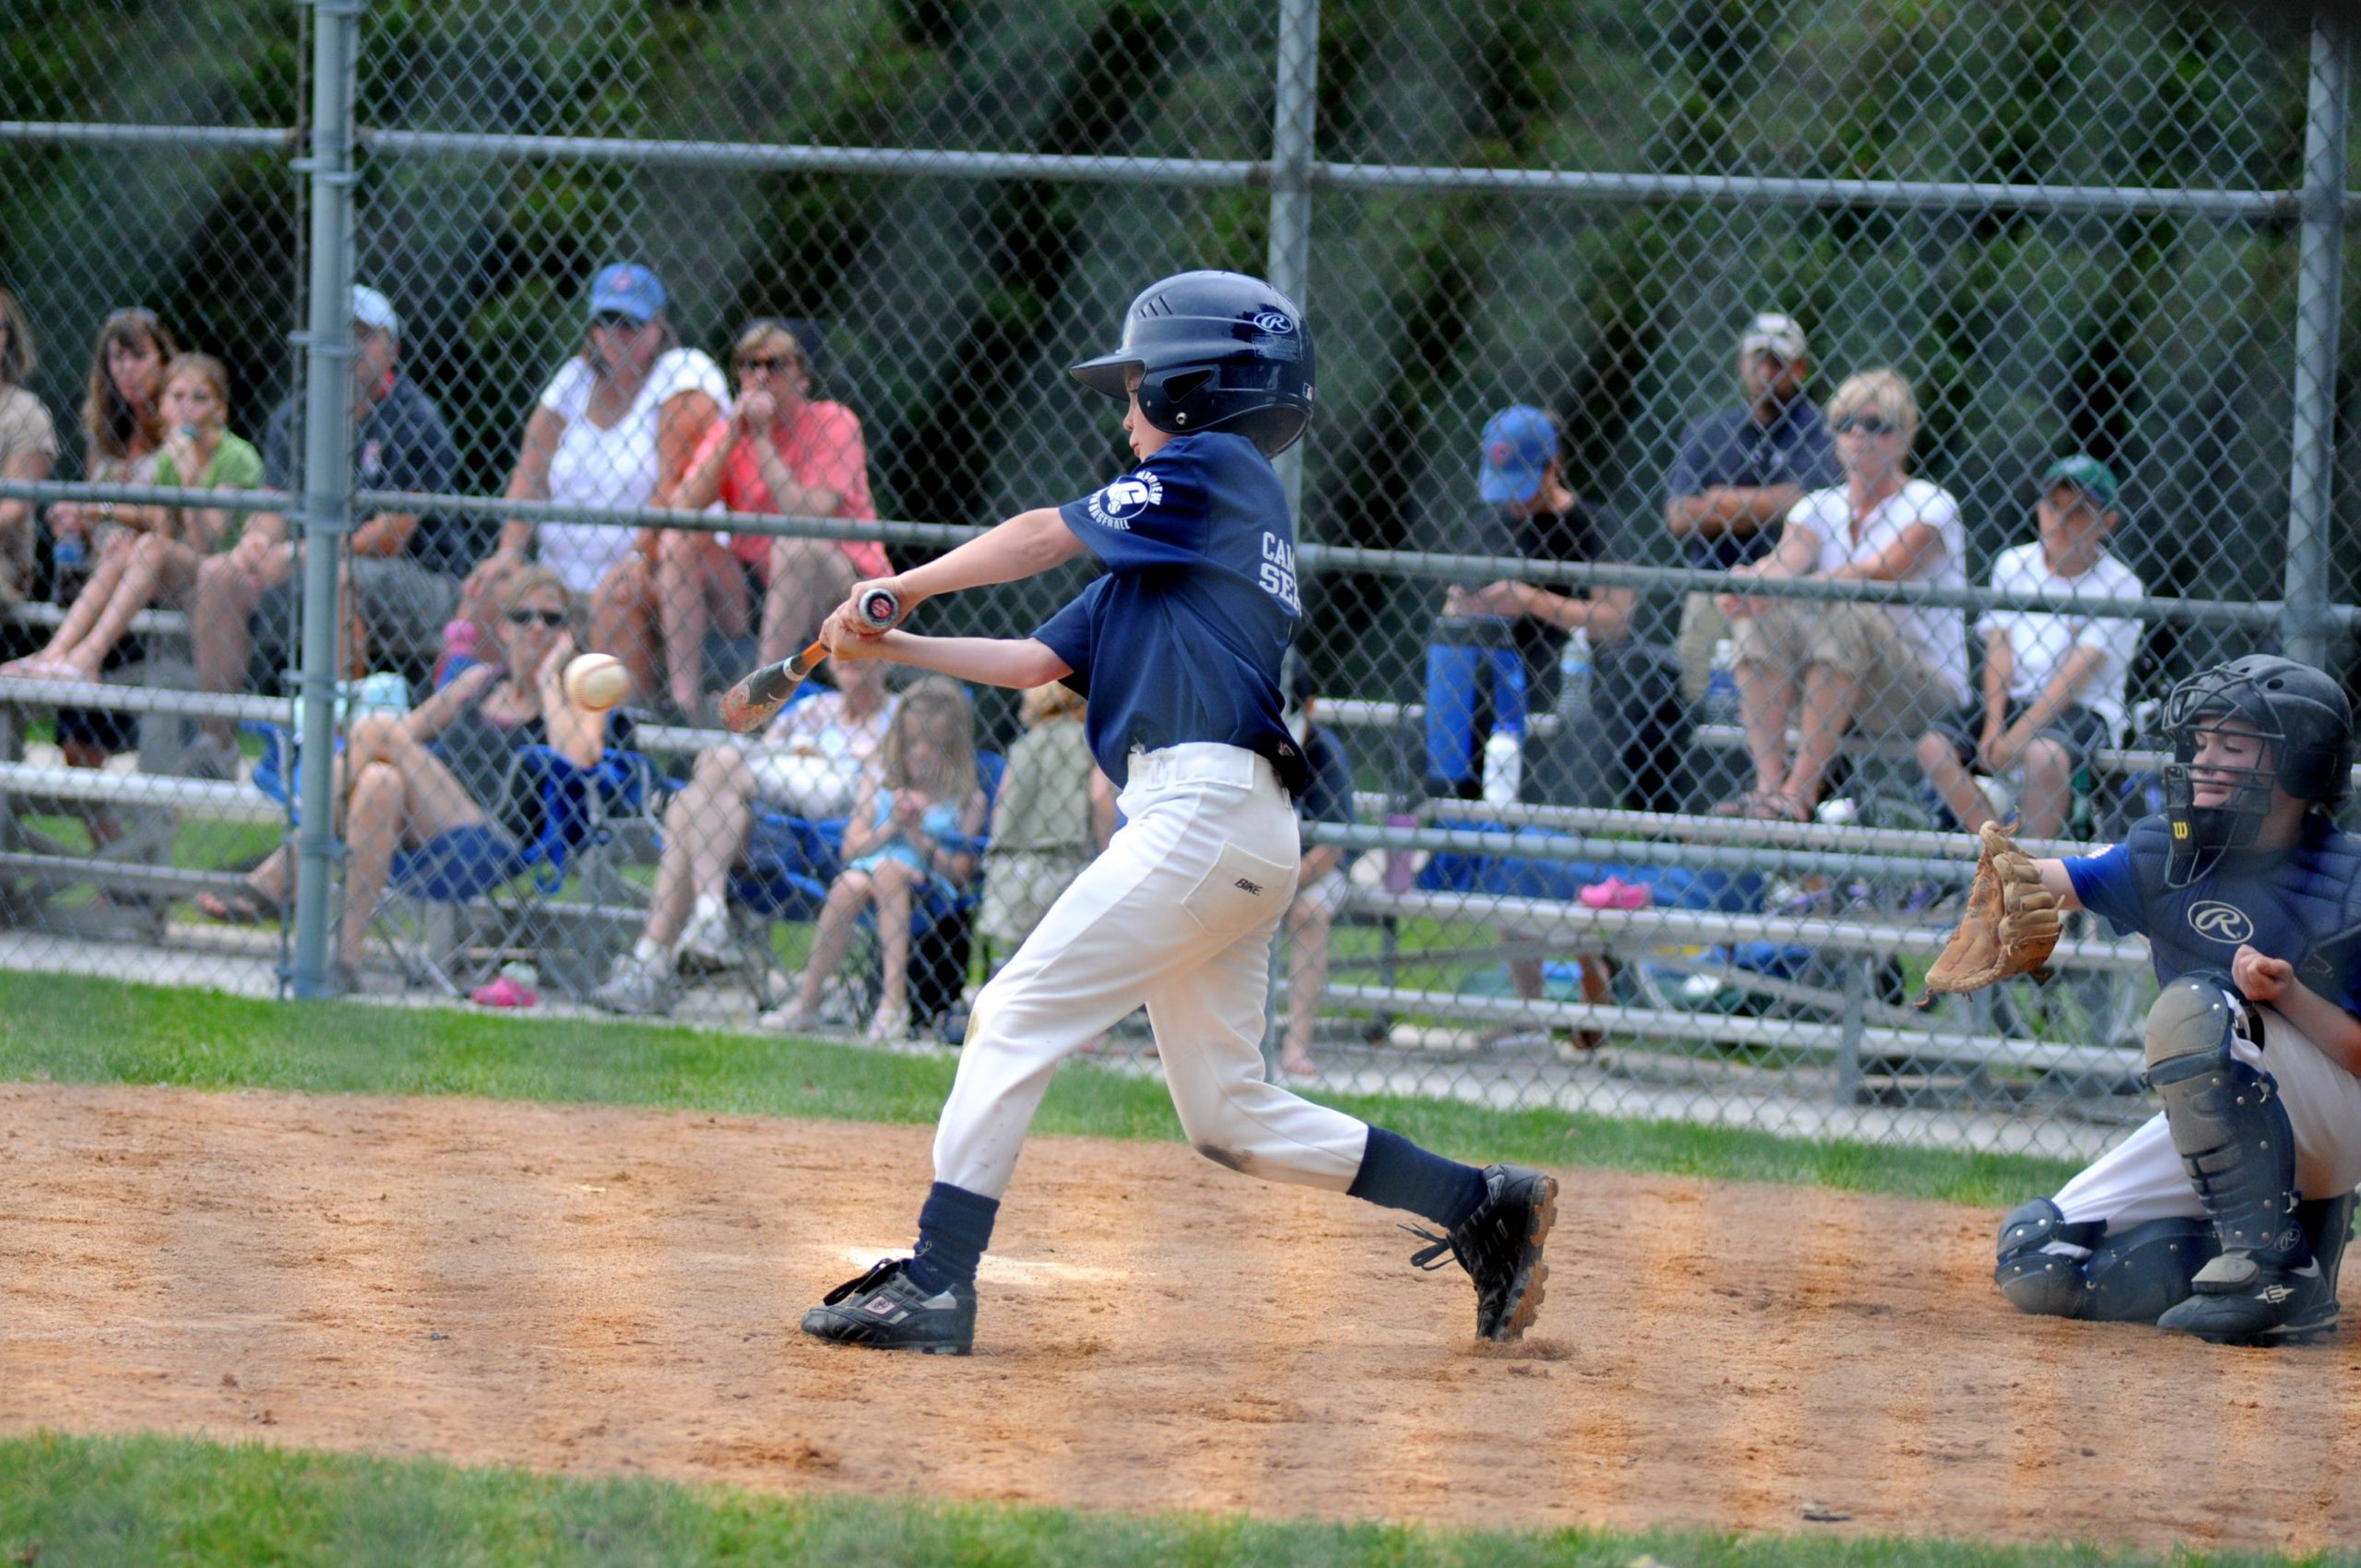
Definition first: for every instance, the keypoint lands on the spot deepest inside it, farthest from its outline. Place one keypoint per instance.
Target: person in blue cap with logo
(1496, 645)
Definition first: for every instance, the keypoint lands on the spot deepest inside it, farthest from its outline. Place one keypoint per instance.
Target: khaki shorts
(1899, 693)
(1702, 628)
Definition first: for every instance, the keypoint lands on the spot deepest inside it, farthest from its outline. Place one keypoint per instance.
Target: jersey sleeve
(1152, 517)
(1068, 633)
(690, 370)
(2105, 885)
(2116, 636)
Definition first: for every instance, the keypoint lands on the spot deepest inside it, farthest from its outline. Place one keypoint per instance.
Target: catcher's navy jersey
(1181, 640)
(2302, 904)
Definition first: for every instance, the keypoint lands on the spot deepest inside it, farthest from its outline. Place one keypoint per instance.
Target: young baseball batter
(2226, 1215)
(1176, 648)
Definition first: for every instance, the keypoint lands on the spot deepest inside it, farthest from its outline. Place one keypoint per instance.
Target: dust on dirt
(598, 1291)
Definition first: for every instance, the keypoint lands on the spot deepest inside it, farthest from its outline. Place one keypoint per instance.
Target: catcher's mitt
(2010, 926)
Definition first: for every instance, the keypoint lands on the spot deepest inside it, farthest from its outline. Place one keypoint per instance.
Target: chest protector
(2303, 905)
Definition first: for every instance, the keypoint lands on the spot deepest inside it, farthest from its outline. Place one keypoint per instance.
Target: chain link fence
(660, 325)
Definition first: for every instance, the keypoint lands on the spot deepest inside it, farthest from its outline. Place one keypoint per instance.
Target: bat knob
(880, 608)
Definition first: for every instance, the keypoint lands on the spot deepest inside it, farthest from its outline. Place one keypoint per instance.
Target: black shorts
(2079, 730)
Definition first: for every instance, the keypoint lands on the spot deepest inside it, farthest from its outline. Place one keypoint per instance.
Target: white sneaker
(635, 988)
(706, 943)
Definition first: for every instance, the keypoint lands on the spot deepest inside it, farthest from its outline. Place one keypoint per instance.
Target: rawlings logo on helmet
(1273, 321)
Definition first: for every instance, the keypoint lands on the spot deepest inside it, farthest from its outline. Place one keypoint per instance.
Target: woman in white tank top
(614, 427)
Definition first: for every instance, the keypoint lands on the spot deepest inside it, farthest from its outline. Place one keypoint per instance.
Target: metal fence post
(1295, 109)
(2320, 276)
(326, 512)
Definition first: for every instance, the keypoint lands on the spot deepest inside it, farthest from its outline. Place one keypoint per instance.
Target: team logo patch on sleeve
(1115, 507)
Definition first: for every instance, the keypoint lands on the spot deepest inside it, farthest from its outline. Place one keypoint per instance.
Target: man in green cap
(2053, 680)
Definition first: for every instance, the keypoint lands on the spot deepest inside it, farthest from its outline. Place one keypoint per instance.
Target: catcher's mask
(2304, 727)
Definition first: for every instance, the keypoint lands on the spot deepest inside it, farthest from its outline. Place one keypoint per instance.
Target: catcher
(2226, 1215)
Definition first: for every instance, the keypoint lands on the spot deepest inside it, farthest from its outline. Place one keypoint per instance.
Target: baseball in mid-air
(596, 681)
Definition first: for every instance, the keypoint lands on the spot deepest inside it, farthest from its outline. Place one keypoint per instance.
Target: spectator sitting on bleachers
(614, 427)
(2054, 682)
(780, 451)
(1321, 883)
(396, 581)
(1739, 472)
(160, 557)
(924, 790)
(808, 763)
(1493, 640)
(1829, 665)
(461, 801)
(28, 449)
(123, 429)
(1054, 812)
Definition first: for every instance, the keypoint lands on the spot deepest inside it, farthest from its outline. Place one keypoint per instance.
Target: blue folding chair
(476, 872)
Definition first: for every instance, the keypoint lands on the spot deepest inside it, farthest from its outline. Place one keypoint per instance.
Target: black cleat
(1500, 1246)
(2241, 1300)
(885, 1310)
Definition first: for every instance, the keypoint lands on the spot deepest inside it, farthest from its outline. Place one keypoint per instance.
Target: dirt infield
(598, 1291)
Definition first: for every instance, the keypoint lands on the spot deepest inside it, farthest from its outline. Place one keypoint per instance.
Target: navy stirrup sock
(1397, 1174)
(955, 1227)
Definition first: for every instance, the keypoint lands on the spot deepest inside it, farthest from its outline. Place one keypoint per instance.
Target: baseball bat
(749, 705)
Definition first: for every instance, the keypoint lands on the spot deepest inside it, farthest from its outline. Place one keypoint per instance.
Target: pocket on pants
(1241, 890)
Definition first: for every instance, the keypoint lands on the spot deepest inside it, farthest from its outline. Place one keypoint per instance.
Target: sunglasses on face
(769, 364)
(614, 319)
(550, 618)
(1866, 424)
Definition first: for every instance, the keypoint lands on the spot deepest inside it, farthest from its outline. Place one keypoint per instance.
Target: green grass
(68, 1501)
(71, 1028)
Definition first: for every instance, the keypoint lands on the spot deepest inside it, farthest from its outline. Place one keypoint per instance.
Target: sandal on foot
(245, 907)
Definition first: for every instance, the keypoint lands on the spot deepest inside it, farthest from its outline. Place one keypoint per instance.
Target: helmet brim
(1108, 372)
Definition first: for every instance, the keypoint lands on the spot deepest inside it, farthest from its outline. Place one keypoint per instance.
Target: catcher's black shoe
(2240, 1299)
(1500, 1246)
(885, 1310)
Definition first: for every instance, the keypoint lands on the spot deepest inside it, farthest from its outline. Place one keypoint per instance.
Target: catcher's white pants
(1177, 914)
(2141, 1179)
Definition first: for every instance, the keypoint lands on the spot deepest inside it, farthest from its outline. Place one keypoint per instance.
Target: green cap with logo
(2086, 474)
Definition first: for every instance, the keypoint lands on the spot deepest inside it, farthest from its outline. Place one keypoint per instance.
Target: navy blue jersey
(2302, 904)
(1181, 640)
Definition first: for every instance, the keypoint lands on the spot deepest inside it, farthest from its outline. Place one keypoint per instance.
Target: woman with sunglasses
(613, 428)
(441, 778)
(1829, 665)
(781, 451)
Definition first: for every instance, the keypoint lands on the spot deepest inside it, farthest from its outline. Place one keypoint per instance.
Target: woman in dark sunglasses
(1827, 666)
(781, 451)
(438, 783)
(613, 428)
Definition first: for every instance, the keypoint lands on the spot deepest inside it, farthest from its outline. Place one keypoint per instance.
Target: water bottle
(1503, 768)
(1401, 865)
(70, 566)
(1721, 685)
(1574, 679)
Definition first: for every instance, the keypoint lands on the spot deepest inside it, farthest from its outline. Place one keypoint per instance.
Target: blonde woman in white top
(614, 427)
(1829, 665)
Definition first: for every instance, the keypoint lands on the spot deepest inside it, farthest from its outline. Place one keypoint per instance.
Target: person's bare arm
(2272, 982)
(1019, 663)
(388, 533)
(1318, 860)
(1917, 546)
(682, 423)
(1731, 511)
(862, 830)
(2055, 699)
(529, 480)
(2059, 884)
(790, 494)
(433, 716)
(1605, 616)
(32, 467)
(1102, 808)
(1025, 545)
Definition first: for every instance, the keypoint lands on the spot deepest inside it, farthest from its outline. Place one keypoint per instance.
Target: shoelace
(1430, 1257)
(880, 1273)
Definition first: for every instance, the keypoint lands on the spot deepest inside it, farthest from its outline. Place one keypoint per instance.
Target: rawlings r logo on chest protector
(2219, 922)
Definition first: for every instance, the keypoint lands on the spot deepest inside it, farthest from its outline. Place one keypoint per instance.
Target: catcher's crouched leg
(2131, 1276)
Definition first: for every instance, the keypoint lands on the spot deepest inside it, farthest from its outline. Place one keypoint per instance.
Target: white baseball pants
(2141, 1179)
(1177, 914)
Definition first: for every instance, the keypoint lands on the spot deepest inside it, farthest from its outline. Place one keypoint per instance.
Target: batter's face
(1146, 439)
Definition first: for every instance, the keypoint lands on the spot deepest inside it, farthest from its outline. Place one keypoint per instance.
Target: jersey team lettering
(1277, 576)
(1116, 505)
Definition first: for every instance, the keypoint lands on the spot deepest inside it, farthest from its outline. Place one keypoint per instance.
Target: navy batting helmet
(2297, 710)
(1216, 351)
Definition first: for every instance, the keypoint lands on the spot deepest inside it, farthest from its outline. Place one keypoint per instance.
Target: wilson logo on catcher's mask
(2223, 922)
(1116, 505)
